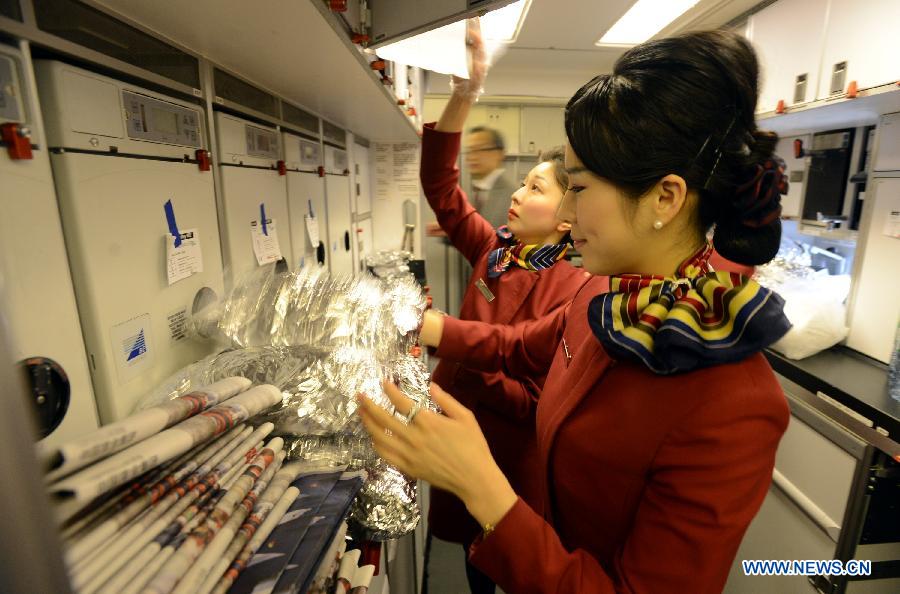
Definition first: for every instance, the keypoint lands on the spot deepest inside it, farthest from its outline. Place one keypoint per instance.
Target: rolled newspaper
(125, 544)
(346, 571)
(172, 574)
(76, 454)
(266, 503)
(87, 545)
(362, 579)
(119, 468)
(200, 579)
(265, 529)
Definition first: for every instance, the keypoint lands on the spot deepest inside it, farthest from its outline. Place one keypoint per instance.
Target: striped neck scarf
(530, 257)
(695, 319)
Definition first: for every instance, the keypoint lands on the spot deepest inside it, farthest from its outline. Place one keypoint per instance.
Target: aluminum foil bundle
(386, 507)
(352, 451)
(283, 367)
(312, 308)
(318, 417)
(322, 339)
(322, 399)
(389, 264)
(792, 262)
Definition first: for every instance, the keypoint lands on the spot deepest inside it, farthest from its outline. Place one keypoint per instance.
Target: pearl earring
(658, 225)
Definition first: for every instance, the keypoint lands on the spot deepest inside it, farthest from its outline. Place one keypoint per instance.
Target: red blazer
(648, 481)
(502, 405)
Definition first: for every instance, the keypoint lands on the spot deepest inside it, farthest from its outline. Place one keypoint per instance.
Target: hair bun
(762, 147)
(758, 199)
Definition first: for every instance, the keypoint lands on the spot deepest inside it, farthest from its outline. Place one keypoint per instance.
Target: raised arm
(469, 232)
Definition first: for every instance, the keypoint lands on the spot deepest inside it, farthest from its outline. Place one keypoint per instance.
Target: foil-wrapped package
(389, 264)
(312, 308)
(792, 262)
(386, 507)
(278, 366)
(322, 340)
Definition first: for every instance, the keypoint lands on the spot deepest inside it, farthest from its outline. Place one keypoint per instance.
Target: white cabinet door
(336, 160)
(306, 190)
(813, 478)
(542, 128)
(827, 481)
(112, 211)
(788, 40)
(244, 189)
(39, 306)
(503, 118)
(340, 247)
(887, 149)
(876, 304)
(864, 36)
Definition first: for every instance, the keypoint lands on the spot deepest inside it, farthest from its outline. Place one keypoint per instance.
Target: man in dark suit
(491, 188)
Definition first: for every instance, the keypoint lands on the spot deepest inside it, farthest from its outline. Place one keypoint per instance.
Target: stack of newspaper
(176, 498)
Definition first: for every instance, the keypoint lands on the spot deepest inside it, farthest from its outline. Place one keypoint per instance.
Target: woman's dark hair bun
(748, 227)
(686, 105)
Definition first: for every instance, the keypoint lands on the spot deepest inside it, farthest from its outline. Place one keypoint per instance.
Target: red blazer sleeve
(523, 352)
(708, 481)
(521, 395)
(469, 232)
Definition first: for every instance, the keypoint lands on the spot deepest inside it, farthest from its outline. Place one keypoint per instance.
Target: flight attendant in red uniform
(659, 419)
(518, 275)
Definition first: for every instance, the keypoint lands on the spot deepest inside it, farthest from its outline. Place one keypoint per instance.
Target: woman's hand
(471, 88)
(449, 451)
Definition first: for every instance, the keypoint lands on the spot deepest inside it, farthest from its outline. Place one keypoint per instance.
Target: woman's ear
(564, 227)
(671, 195)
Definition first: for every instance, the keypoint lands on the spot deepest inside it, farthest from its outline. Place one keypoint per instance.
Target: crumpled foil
(790, 263)
(312, 308)
(321, 340)
(279, 366)
(386, 505)
(389, 264)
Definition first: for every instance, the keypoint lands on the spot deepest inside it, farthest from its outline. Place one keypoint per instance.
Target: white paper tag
(312, 228)
(184, 260)
(177, 321)
(132, 347)
(265, 246)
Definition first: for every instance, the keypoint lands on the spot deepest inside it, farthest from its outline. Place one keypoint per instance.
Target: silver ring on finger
(413, 412)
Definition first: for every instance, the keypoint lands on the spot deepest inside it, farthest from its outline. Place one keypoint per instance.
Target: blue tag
(170, 219)
(262, 216)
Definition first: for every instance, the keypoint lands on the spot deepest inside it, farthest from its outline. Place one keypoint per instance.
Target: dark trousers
(479, 583)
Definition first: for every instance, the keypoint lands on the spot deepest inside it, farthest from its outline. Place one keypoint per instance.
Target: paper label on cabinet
(132, 348)
(312, 228)
(265, 245)
(177, 322)
(184, 260)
